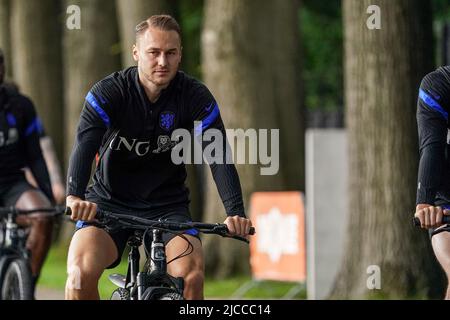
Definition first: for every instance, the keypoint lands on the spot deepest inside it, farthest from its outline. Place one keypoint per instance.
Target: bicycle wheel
(17, 282)
(171, 296)
(120, 294)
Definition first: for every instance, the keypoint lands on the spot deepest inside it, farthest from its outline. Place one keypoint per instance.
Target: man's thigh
(441, 247)
(91, 248)
(192, 253)
(23, 196)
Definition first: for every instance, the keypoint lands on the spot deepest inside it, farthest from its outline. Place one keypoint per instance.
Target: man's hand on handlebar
(81, 209)
(430, 216)
(238, 226)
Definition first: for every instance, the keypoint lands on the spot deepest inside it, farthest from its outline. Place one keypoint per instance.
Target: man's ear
(135, 53)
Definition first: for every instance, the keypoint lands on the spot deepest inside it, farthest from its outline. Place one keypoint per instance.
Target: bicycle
(152, 282)
(15, 266)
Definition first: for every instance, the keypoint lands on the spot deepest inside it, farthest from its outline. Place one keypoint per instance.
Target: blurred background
(271, 64)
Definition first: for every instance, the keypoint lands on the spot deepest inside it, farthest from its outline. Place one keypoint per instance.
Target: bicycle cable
(186, 252)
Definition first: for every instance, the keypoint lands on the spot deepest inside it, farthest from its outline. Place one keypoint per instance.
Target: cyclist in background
(433, 189)
(20, 147)
(129, 116)
(54, 169)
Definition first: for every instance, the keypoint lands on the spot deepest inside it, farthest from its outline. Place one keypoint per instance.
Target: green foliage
(262, 289)
(321, 40)
(441, 10)
(191, 19)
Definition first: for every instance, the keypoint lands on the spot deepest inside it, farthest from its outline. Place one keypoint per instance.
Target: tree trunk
(36, 58)
(243, 78)
(5, 35)
(286, 82)
(130, 13)
(89, 56)
(383, 69)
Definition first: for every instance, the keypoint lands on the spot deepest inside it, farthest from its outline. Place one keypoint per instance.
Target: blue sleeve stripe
(206, 123)
(94, 103)
(432, 103)
(11, 120)
(34, 125)
(39, 126)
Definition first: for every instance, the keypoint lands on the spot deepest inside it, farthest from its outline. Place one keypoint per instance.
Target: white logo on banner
(277, 234)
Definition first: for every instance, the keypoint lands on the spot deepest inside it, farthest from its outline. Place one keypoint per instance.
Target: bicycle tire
(120, 294)
(17, 281)
(171, 296)
(5, 259)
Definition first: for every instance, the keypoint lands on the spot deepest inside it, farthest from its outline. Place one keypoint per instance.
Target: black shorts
(120, 237)
(11, 192)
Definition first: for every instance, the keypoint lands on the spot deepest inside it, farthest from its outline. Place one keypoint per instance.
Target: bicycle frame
(15, 266)
(153, 280)
(15, 238)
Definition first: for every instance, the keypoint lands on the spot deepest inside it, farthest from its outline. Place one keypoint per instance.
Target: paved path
(49, 294)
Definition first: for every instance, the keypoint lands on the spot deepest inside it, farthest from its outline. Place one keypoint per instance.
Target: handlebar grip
(416, 221)
(252, 231)
(68, 212)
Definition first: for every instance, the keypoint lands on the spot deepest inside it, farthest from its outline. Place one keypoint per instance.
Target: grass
(54, 274)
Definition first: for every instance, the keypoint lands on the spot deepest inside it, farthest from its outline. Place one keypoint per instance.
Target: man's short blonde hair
(163, 22)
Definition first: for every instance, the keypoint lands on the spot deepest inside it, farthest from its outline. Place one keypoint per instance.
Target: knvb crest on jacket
(167, 120)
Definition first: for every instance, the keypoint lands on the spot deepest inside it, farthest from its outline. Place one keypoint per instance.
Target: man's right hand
(430, 216)
(81, 209)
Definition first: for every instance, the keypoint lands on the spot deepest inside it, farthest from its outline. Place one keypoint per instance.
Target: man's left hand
(238, 226)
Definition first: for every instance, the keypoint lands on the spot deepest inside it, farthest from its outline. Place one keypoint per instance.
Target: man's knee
(194, 279)
(83, 271)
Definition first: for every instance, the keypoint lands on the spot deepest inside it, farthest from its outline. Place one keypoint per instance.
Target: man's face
(158, 54)
(2, 68)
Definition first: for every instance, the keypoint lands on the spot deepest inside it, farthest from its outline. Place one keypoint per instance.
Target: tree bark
(5, 35)
(89, 56)
(383, 69)
(286, 83)
(132, 12)
(244, 79)
(36, 59)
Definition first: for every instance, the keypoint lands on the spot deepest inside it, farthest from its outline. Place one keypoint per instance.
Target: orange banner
(278, 249)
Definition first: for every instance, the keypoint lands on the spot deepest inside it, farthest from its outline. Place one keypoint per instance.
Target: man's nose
(162, 61)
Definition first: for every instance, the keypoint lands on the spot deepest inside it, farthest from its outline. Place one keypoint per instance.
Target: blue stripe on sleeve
(432, 103)
(33, 126)
(39, 126)
(206, 123)
(94, 103)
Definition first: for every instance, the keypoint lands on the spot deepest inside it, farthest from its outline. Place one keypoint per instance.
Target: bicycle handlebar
(211, 228)
(8, 210)
(416, 221)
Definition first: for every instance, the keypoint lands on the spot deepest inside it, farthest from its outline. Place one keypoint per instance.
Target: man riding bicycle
(20, 131)
(129, 116)
(433, 190)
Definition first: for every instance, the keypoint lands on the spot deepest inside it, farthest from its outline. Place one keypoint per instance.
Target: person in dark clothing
(20, 131)
(433, 188)
(129, 116)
